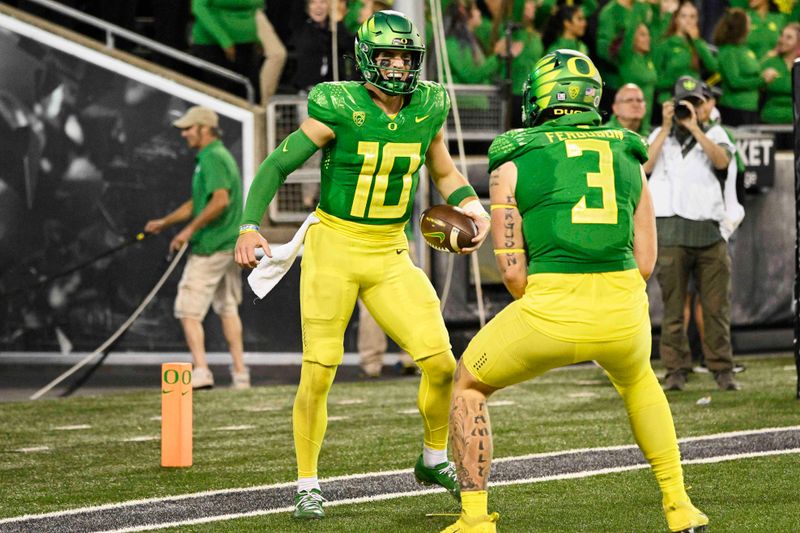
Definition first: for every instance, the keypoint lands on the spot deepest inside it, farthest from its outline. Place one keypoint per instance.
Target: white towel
(270, 270)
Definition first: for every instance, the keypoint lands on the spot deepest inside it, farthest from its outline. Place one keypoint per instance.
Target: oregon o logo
(392, 126)
(170, 376)
(581, 67)
(186, 377)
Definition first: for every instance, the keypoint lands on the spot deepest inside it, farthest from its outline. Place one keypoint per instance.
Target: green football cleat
(443, 474)
(308, 504)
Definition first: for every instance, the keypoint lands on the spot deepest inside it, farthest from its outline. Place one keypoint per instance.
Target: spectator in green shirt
(777, 107)
(740, 72)
(636, 67)
(224, 32)
(522, 65)
(662, 11)
(468, 63)
(615, 18)
(766, 24)
(565, 30)
(210, 278)
(682, 52)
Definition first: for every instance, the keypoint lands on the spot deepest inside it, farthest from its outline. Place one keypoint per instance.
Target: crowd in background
(745, 48)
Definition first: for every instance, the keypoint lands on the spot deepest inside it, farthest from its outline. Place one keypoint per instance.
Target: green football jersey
(370, 171)
(577, 188)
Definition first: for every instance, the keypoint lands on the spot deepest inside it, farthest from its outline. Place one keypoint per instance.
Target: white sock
(433, 457)
(307, 483)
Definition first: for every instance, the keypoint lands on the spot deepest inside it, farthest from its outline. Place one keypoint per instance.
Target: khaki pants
(274, 54)
(209, 281)
(712, 271)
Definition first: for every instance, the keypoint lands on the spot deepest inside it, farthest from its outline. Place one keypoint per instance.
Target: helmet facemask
(389, 31)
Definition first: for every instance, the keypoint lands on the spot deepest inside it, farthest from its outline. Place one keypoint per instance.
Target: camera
(682, 111)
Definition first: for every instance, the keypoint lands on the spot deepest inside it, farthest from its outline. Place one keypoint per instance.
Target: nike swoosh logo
(184, 393)
(163, 391)
(285, 146)
(420, 119)
(438, 234)
(399, 251)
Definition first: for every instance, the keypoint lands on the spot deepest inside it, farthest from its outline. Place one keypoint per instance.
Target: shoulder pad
(329, 101)
(512, 144)
(636, 144)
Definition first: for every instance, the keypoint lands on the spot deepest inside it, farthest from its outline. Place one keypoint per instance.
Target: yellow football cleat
(683, 517)
(484, 523)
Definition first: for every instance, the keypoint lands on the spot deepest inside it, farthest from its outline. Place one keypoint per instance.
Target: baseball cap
(197, 115)
(688, 87)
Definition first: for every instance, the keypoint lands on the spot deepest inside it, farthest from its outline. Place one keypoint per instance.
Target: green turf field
(243, 439)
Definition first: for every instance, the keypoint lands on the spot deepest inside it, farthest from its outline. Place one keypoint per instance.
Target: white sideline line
(368, 475)
(380, 497)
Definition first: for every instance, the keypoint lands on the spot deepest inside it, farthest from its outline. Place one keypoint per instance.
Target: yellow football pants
(342, 262)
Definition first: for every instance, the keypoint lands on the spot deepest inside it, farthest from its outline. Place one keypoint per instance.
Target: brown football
(447, 228)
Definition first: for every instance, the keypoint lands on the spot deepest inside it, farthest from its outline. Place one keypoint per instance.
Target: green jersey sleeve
(434, 102)
(321, 105)
(511, 144)
(637, 146)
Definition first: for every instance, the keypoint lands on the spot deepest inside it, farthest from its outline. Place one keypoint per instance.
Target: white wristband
(476, 207)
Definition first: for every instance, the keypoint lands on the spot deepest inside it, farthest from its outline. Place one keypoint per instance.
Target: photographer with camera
(689, 167)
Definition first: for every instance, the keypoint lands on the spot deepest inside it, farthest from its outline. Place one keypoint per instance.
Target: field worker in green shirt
(740, 71)
(636, 66)
(375, 135)
(777, 108)
(565, 29)
(682, 52)
(224, 32)
(766, 24)
(629, 110)
(211, 278)
(615, 19)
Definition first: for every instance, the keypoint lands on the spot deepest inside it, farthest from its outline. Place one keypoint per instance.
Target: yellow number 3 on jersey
(603, 180)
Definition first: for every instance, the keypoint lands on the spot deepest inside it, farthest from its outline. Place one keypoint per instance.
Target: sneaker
(676, 380)
(683, 517)
(202, 378)
(725, 381)
(308, 504)
(443, 474)
(484, 523)
(240, 380)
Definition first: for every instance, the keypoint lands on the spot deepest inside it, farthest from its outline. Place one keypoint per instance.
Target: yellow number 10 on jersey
(603, 180)
(367, 176)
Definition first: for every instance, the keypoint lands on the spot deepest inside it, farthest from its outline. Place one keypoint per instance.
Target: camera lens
(682, 111)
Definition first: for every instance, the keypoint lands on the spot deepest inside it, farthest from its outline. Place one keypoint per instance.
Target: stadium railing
(482, 118)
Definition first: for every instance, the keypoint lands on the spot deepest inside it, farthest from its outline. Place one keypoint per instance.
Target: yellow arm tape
(509, 251)
(502, 206)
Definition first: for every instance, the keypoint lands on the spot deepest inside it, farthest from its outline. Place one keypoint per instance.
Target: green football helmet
(564, 79)
(389, 30)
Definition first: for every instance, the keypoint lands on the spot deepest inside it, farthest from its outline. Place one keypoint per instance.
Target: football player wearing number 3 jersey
(375, 135)
(575, 239)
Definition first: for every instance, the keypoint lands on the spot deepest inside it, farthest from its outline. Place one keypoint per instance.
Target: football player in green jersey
(575, 239)
(375, 135)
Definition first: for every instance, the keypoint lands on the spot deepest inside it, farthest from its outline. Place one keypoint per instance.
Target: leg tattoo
(471, 434)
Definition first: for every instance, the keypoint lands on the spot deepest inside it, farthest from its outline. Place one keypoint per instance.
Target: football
(447, 228)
